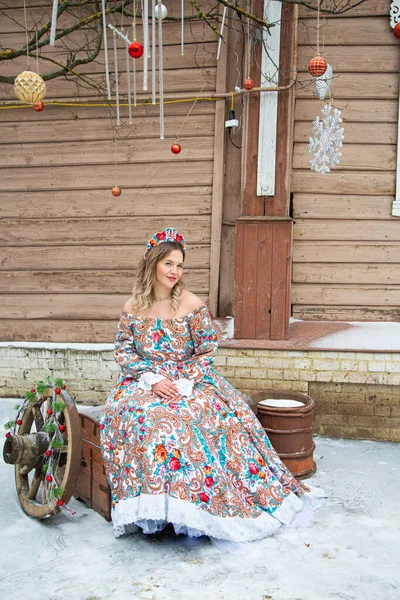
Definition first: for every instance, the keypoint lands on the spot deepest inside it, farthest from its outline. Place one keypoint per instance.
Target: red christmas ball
(175, 148)
(33, 391)
(49, 411)
(48, 453)
(203, 497)
(49, 478)
(38, 106)
(57, 391)
(61, 427)
(116, 191)
(60, 502)
(64, 387)
(248, 84)
(135, 49)
(19, 421)
(8, 434)
(317, 66)
(396, 30)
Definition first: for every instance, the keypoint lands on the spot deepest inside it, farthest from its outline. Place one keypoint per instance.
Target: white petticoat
(152, 512)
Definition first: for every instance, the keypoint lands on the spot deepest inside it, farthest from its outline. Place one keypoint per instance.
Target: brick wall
(357, 394)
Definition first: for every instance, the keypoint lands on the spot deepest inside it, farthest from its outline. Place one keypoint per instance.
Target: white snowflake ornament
(323, 83)
(327, 140)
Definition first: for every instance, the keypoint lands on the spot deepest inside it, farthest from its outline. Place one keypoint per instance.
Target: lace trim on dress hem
(152, 512)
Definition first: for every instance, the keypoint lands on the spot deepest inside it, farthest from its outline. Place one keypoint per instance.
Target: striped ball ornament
(317, 66)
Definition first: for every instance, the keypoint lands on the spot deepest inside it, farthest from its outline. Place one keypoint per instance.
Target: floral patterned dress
(203, 463)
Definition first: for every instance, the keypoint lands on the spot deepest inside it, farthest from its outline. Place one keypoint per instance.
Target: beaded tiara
(168, 235)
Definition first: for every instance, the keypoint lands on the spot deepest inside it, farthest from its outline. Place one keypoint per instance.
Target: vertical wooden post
(263, 246)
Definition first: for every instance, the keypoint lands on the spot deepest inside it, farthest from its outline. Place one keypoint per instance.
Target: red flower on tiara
(179, 238)
(161, 235)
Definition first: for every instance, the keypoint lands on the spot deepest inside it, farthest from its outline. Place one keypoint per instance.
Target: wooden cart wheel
(26, 450)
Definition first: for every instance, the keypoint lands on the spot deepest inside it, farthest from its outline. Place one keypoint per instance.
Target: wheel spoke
(37, 414)
(33, 490)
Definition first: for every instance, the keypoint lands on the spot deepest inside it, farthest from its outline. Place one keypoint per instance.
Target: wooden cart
(79, 470)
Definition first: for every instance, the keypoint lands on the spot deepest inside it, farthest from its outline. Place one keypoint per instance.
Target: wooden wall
(68, 248)
(346, 244)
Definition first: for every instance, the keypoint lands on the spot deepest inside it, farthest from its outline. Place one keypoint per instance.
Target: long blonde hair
(142, 294)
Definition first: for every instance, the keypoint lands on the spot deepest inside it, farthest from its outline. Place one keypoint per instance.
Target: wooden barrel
(287, 418)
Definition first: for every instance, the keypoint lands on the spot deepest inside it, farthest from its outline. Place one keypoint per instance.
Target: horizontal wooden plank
(51, 258)
(63, 306)
(364, 111)
(50, 330)
(354, 230)
(342, 31)
(353, 85)
(102, 129)
(354, 133)
(375, 8)
(356, 157)
(101, 203)
(370, 274)
(345, 313)
(131, 175)
(378, 59)
(196, 55)
(327, 206)
(87, 282)
(175, 80)
(348, 252)
(115, 231)
(346, 295)
(344, 182)
(95, 153)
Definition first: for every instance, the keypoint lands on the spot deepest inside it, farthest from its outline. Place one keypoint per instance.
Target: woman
(180, 444)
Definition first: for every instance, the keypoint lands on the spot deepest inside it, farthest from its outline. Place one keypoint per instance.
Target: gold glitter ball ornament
(29, 87)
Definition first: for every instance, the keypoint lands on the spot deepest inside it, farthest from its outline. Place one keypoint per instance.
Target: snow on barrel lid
(281, 403)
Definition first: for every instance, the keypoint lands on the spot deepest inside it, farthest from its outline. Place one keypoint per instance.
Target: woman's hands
(166, 389)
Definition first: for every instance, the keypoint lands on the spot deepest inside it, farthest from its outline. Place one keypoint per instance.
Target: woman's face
(169, 269)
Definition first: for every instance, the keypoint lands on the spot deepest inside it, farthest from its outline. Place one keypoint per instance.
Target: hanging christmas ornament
(160, 8)
(317, 66)
(135, 49)
(328, 138)
(396, 30)
(394, 13)
(29, 87)
(175, 148)
(248, 84)
(323, 83)
(116, 191)
(38, 106)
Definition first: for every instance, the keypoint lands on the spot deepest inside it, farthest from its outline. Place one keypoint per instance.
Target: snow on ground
(363, 336)
(351, 553)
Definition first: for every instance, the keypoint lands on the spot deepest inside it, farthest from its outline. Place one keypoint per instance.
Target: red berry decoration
(175, 148)
(19, 421)
(61, 427)
(64, 387)
(135, 49)
(248, 84)
(60, 502)
(396, 30)
(49, 478)
(48, 453)
(8, 434)
(57, 391)
(33, 391)
(317, 66)
(116, 191)
(49, 411)
(38, 106)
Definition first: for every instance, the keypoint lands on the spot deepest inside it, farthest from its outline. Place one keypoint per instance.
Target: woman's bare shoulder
(189, 301)
(128, 306)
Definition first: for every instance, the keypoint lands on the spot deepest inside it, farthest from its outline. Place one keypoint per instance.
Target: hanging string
(248, 43)
(26, 37)
(37, 53)
(134, 60)
(128, 79)
(53, 29)
(145, 19)
(116, 77)
(160, 71)
(182, 28)
(318, 27)
(221, 32)
(103, 8)
(153, 53)
(191, 108)
(115, 158)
